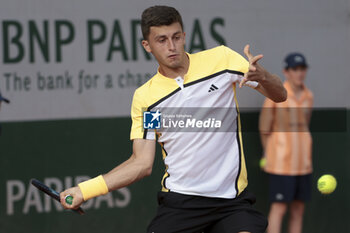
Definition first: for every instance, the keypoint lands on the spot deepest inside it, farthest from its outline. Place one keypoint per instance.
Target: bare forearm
(120, 166)
(135, 168)
(271, 86)
(126, 173)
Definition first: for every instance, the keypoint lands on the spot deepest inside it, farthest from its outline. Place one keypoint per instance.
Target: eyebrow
(160, 36)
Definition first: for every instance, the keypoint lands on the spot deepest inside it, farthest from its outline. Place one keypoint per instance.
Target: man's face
(166, 43)
(296, 75)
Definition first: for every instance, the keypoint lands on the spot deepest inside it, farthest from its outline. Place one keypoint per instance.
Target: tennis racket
(55, 195)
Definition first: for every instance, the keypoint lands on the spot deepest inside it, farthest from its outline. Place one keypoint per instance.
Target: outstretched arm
(135, 168)
(270, 85)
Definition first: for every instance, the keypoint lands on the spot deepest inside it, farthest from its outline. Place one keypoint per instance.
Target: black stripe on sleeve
(162, 99)
(192, 83)
(155, 104)
(213, 76)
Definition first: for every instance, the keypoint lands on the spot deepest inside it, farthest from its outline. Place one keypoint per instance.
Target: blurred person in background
(287, 145)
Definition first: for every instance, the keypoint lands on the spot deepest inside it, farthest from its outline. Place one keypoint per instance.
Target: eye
(161, 40)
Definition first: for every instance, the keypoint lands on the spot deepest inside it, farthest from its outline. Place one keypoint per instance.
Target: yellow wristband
(93, 187)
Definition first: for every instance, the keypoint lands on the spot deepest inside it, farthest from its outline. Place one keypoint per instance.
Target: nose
(171, 45)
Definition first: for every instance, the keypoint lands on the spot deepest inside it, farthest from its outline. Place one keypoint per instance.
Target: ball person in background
(287, 144)
(204, 187)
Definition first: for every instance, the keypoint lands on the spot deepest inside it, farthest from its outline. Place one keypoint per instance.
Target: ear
(146, 46)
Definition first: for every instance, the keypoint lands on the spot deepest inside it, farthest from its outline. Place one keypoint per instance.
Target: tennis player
(204, 187)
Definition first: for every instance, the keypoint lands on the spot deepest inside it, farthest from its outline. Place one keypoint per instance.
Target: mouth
(172, 56)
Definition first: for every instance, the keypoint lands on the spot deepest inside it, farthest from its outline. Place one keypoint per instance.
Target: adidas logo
(213, 88)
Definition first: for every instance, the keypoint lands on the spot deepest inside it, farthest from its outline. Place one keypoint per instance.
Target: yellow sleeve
(137, 109)
(236, 61)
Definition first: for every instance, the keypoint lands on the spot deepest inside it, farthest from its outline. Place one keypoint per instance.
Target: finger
(250, 74)
(256, 59)
(243, 81)
(252, 77)
(252, 68)
(247, 52)
(63, 201)
(62, 195)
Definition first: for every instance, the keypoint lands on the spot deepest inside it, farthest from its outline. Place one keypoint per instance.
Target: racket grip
(69, 199)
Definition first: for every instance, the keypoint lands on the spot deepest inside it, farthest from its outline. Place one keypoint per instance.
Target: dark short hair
(158, 16)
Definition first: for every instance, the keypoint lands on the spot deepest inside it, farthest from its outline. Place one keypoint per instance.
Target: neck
(175, 72)
(296, 88)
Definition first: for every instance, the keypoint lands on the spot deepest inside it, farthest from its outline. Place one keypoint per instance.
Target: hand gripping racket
(55, 195)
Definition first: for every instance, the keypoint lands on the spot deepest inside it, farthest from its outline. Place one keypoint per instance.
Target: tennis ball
(326, 184)
(262, 162)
